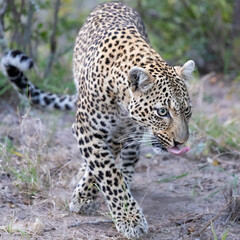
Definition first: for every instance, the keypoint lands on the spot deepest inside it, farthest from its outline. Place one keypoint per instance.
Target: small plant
(224, 235)
(214, 135)
(4, 85)
(26, 177)
(22, 167)
(173, 178)
(12, 230)
(9, 228)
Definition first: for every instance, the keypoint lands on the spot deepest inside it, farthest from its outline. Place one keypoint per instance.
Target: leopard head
(160, 102)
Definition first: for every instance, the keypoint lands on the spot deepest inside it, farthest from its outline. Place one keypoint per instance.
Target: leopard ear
(139, 79)
(186, 70)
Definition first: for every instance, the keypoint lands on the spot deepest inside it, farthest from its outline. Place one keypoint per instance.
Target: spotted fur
(125, 88)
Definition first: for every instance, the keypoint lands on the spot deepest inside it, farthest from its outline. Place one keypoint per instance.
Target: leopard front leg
(84, 196)
(125, 211)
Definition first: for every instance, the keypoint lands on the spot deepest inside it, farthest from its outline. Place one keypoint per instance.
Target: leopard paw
(132, 225)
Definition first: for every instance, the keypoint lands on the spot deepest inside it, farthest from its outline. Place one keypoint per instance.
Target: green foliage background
(178, 30)
(196, 29)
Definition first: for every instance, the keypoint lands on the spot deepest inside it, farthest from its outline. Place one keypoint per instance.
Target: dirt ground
(180, 196)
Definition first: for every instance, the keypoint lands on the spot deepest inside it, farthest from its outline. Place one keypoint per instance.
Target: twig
(187, 218)
(53, 41)
(3, 42)
(214, 218)
(17, 32)
(28, 29)
(59, 169)
(49, 229)
(227, 153)
(143, 198)
(89, 222)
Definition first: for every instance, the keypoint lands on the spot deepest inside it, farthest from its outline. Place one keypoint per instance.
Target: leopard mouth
(178, 151)
(158, 147)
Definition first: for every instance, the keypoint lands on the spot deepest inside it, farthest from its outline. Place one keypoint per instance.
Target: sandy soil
(180, 196)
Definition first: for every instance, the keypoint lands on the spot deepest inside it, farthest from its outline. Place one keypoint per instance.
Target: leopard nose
(177, 143)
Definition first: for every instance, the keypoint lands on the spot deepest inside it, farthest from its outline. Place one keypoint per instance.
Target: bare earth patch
(182, 198)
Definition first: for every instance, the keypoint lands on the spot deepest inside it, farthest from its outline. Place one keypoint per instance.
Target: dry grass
(232, 196)
(39, 158)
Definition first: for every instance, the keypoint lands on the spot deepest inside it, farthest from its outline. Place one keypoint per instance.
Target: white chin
(158, 150)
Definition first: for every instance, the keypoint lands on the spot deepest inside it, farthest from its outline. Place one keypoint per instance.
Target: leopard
(125, 89)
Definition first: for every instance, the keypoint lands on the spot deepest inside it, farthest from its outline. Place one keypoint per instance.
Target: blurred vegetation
(214, 135)
(206, 31)
(197, 29)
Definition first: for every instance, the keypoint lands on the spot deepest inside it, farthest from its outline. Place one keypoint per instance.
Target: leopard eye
(188, 110)
(162, 112)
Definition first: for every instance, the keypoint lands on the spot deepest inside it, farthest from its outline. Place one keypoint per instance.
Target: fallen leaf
(148, 155)
(17, 154)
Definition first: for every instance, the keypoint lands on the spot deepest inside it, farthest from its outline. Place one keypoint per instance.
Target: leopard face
(160, 102)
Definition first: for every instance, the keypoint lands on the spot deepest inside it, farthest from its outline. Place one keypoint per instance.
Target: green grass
(26, 176)
(224, 235)
(10, 228)
(4, 84)
(21, 167)
(214, 135)
(173, 178)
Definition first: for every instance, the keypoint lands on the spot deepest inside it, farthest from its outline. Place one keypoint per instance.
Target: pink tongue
(178, 151)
